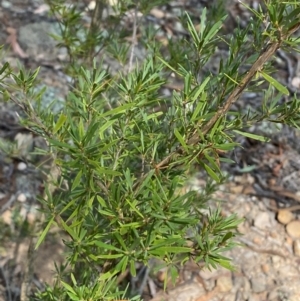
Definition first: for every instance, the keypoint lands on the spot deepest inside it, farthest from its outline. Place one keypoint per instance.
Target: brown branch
(266, 54)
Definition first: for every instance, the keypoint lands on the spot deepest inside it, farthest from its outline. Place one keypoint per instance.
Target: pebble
(293, 229)
(273, 295)
(258, 284)
(191, 291)
(258, 240)
(224, 283)
(262, 220)
(6, 4)
(284, 216)
(207, 274)
(296, 247)
(294, 297)
(254, 298)
(21, 198)
(6, 217)
(296, 82)
(246, 289)
(21, 166)
(265, 268)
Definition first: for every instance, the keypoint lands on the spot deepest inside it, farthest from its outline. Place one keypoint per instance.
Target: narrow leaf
(275, 83)
(76, 180)
(180, 139)
(42, 236)
(60, 122)
(252, 136)
(212, 174)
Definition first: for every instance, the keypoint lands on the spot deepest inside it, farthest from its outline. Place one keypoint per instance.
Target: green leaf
(227, 236)
(60, 122)
(212, 174)
(61, 144)
(106, 246)
(252, 136)
(6, 95)
(90, 132)
(44, 233)
(214, 29)
(4, 67)
(225, 263)
(108, 256)
(132, 268)
(120, 240)
(76, 180)
(133, 207)
(275, 83)
(171, 249)
(104, 170)
(174, 274)
(124, 262)
(68, 287)
(108, 275)
(199, 89)
(68, 229)
(121, 109)
(212, 161)
(105, 126)
(73, 279)
(180, 139)
(201, 105)
(193, 31)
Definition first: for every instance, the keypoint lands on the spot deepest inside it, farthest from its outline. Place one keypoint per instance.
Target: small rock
(162, 274)
(258, 284)
(157, 13)
(6, 4)
(288, 242)
(92, 5)
(284, 216)
(22, 198)
(224, 283)
(21, 166)
(293, 229)
(294, 297)
(296, 247)
(296, 82)
(276, 260)
(246, 289)
(6, 217)
(273, 295)
(262, 220)
(188, 291)
(206, 274)
(254, 297)
(265, 268)
(258, 240)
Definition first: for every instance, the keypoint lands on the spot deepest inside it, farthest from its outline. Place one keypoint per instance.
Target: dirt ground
(266, 195)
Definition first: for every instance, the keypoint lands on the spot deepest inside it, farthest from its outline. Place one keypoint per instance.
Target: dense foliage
(122, 151)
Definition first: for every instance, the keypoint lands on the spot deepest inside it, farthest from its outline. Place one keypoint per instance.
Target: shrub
(121, 151)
